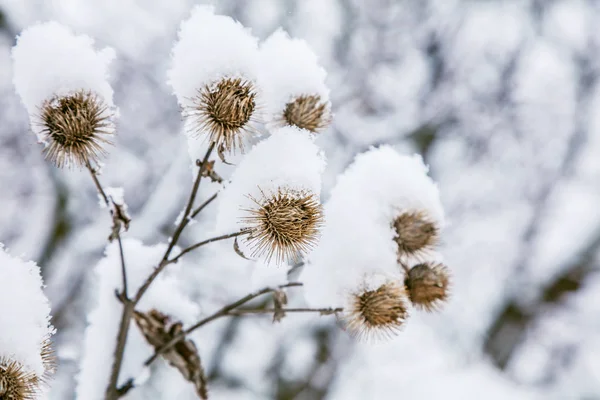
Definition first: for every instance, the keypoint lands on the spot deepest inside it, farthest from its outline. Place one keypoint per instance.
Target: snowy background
(501, 98)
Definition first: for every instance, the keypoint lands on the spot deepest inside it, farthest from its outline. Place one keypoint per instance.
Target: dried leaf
(236, 248)
(209, 171)
(120, 218)
(279, 300)
(158, 330)
(221, 153)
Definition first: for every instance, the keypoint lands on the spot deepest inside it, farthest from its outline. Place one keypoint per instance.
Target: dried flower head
(376, 313)
(224, 111)
(76, 126)
(307, 112)
(16, 383)
(284, 224)
(428, 285)
(416, 234)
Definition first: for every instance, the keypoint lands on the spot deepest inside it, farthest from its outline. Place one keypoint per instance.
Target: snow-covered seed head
(415, 233)
(76, 127)
(376, 313)
(307, 112)
(284, 224)
(16, 383)
(224, 111)
(428, 285)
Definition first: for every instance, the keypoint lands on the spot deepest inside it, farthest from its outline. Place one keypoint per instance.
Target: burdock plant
(354, 249)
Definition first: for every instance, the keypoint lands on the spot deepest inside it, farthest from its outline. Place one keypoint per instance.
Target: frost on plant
(379, 224)
(369, 253)
(26, 356)
(70, 100)
(294, 84)
(214, 76)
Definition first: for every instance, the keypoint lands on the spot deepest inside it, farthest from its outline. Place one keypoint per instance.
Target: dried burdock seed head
(376, 313)
(225, 112)
(428, 285)
(307, 112)
(15, 383)
(284, 224)
(416, 234)
(76, 127)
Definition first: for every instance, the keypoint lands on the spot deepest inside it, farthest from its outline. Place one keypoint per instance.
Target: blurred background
(502, 100)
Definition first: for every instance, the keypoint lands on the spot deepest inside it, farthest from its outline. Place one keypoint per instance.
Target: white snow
(357, 240)
(25, 316)
(51, 60)
(289, 159)
(209, 48)
(289, 69)
(116, 194)
(165, 295)
(264, 275)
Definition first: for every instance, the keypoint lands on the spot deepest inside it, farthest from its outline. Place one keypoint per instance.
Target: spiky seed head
(416, 234)
(76, 127)
(16, 383)
(284, 224)
(428, 285)
(376, 313)
(307, 112)
(225, 111)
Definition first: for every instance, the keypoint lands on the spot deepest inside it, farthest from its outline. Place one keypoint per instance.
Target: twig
(218, 314)
(203, 205)
(112, 392)
(108, 202)
(204, 242)
(182, 224)
(128, 306)
(322, 311)
(185, 220)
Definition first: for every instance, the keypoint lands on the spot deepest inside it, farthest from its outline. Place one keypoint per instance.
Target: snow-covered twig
(129, 305)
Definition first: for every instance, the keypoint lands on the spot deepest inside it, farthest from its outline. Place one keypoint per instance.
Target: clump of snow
(357, 240)
(116, 194)
(165, 295)
(25, 316)
(289, 69)
(50, 60)
(289, 159)
(211, 47)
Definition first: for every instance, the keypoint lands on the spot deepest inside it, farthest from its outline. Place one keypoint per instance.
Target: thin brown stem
(112, 392)
(182, 224)
(205, 242)
(203, 205)
(128, 306)
(190, 203)
(218, 314)
(108, 202)
(323, 311)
